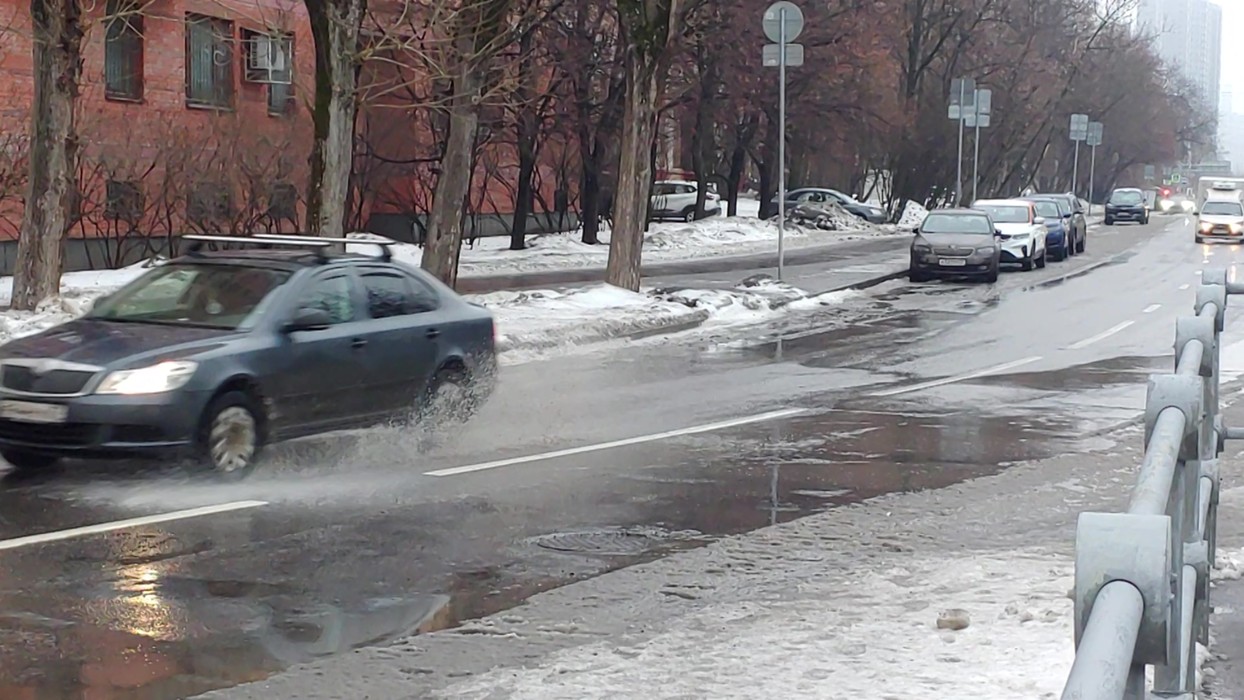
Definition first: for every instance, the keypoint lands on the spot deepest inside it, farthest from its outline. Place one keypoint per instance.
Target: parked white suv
(675, 199)
(1020, 231)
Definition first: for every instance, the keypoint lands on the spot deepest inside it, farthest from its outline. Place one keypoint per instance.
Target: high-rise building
(1187, 35)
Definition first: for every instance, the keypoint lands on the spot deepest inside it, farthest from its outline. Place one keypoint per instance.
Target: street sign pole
(959, 161)
(1075, 170)
(781, 143)
(981, 108)
(1079, 132)
(1094, 140)
(782, 22)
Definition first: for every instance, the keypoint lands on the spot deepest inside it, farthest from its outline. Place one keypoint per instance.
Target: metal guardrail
(1142, 577)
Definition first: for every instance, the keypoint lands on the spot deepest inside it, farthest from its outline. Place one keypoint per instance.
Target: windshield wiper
(154, 322)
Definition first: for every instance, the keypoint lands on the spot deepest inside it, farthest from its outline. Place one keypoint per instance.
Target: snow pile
(541, 319)
(913, 215)
(52, 312)
(827, 216)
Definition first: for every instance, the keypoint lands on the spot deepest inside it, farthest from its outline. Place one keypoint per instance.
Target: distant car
(822, 195)
(215, 354)
(1072, 210)
(1023, 232)
(955, 243)
(1220, 218)
(1057, 240)
(1127, 204)
(675, 200)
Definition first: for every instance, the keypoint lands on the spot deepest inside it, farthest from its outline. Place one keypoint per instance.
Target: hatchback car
(1127, 204)
(1072, 210)
(1057, 238)
(955, 243)
(1022, 229)
(216, 353)
(675, 200)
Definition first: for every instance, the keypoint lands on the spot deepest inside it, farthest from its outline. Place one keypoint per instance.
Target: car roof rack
(386, 246)
(197, 241)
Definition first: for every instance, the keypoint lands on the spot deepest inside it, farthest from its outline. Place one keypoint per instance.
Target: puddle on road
(1118, 371)
(157, 633)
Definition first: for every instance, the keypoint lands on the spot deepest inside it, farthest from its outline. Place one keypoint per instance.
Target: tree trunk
(51, 188)
(335, 26)
(631, 199)
(440, 255)
(528, 134)
(589, 204)
(768, 171)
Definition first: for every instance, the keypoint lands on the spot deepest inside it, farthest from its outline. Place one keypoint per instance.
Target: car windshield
(956, 223)
(1048, 210)
(1126, 197)
(208, 296)
(1005, 214)
(1222, 209)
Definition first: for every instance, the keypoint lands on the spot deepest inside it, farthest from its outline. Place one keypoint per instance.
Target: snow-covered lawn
(717, 236)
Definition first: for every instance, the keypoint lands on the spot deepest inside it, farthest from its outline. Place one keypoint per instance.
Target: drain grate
(618, 541)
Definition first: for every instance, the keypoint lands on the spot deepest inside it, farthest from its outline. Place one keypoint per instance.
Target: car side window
(425, 299)
(388, 294)
(332, 294)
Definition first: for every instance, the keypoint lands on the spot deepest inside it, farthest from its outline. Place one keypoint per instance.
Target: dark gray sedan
(813, 196)
(216, 354)
(956, 243)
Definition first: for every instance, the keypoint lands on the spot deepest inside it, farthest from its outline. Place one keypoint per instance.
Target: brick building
(194, 117)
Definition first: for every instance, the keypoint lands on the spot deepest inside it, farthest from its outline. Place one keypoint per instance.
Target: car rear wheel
(24, 461)
(230, 437)
(448, 399)
(689, 215)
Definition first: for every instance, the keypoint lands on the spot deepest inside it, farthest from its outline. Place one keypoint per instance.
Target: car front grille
(56, 382)
(50, 434)
(952, 251)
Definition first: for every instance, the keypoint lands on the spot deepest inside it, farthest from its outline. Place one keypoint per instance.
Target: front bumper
(1219, 232)
(1126, 214)
(109, 426)
(933, 265)
(1017, 250)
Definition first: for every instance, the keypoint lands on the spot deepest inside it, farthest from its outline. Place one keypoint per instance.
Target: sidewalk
(843, 604)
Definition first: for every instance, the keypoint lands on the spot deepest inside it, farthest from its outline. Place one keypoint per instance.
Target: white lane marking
(637, 440)
(1184, 286)
(1151, 308)
(957, 378)
(1100, 336)
(101, 528)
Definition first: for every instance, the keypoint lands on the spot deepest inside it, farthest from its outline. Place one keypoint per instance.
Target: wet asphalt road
(577, 466)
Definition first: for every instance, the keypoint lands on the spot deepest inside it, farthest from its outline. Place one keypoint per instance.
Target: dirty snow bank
(869, 634)
(913, 215)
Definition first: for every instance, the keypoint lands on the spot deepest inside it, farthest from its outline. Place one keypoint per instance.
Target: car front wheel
(230, 437)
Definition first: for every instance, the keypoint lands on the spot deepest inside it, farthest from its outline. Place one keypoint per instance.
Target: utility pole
(979, 119)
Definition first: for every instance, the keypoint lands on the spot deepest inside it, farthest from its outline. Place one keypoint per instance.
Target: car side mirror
(1039, 221)
(915, 230)
(308, 319)
(997, 233)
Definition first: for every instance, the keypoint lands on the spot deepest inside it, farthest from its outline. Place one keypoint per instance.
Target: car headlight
(1236, 228)
(922, 248)
(1206, 226)
(986, 251)
(159, 378)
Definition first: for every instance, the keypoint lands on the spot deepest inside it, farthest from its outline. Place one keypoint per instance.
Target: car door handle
(358, 343)
(433, 333)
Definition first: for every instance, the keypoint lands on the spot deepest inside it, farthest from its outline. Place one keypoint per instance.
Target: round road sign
(783, 12)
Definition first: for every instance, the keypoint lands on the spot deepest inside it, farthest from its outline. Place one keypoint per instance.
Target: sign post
(1093, 139)
(979, 119)
(1079, 132)
(782, 23)
(962, 99)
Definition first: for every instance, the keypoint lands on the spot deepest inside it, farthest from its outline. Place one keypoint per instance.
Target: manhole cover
(606, 541)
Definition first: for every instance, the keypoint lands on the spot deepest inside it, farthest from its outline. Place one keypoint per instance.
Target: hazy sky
(1232, 29)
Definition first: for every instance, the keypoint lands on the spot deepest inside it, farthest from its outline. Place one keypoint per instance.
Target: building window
(124, 201)
(283, 202)
(209, 203)
(209, 62)
(270, 62)
(123, 51)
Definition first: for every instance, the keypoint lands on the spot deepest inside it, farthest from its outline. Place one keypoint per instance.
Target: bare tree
(58, 31)
(336, 26)
(649, 28)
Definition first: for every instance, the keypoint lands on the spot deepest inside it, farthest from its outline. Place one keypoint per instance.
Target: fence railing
(1142, 577)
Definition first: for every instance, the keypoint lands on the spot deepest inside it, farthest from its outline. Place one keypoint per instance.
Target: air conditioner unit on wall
(269, 58)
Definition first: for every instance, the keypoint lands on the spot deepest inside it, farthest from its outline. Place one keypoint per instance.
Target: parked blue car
(1056, 238)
